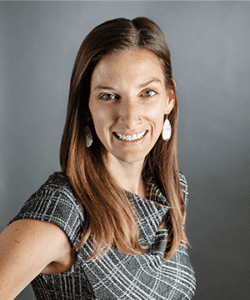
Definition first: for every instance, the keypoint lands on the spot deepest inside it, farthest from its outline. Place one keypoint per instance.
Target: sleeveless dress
(116, 276)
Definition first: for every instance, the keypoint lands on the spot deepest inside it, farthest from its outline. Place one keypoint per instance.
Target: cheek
(153, 112)
(157, 117)
(156, 114)
(102, 114)
(102, 118)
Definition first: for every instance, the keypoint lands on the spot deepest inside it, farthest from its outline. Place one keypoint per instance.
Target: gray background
(209, 44)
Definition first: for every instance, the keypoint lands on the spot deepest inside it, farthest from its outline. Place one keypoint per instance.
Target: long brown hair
(109, 216)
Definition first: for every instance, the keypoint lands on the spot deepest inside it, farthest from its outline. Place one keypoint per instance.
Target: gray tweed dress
(116, 276)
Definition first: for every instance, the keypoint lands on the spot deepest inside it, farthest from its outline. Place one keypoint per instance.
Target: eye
(106, 97)
(148, 93)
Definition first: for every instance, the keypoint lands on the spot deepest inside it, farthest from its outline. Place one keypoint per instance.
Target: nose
(129, 114)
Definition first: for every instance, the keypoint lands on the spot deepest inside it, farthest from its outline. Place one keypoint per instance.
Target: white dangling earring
(166, 132)
(89, 137)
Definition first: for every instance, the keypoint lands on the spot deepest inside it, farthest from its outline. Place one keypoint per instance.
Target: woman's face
(127, 102)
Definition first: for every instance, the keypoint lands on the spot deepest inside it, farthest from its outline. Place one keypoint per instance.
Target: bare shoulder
(26, 248)
(44, 236)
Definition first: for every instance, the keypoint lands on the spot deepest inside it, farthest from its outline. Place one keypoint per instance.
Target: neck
(128, 175)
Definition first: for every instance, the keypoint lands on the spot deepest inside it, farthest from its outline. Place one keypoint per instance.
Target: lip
(135, 141)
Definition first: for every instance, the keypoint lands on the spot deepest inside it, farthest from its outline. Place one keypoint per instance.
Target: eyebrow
(99, 87)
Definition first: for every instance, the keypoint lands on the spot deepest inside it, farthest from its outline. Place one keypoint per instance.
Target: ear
(174, 83)
(170, 99)
(87, 116)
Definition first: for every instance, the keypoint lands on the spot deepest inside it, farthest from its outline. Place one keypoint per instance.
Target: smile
(130, 138)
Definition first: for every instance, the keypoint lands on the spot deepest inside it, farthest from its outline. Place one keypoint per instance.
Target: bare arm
(26, 248)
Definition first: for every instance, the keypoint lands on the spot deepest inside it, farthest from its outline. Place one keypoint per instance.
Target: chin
(130, 158)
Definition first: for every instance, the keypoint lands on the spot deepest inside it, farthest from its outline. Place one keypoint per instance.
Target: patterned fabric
(116, 275)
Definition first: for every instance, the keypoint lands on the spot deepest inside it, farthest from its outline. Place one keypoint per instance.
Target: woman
(110, 225)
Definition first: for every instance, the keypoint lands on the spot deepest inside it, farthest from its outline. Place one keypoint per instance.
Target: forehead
(135, 64)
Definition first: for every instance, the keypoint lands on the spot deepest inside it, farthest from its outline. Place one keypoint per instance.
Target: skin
(118, 103)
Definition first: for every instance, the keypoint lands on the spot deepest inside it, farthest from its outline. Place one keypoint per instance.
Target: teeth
(131, 138)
